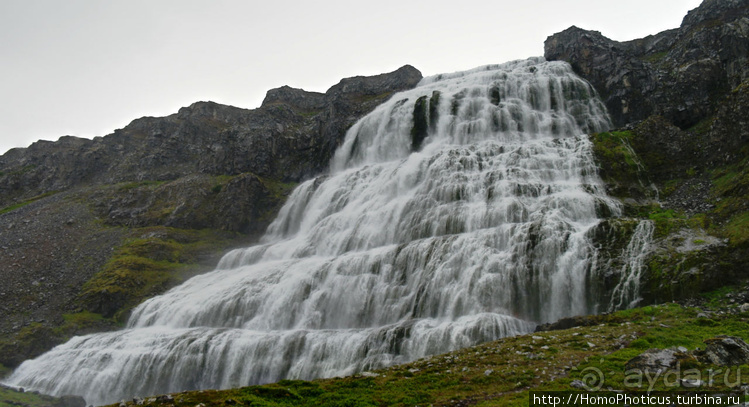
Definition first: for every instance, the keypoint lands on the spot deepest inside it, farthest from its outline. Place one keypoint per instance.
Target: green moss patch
(620, 167)
(731, 191)
(25, 202)
(146, 265)
(13, 398)
(279, 191)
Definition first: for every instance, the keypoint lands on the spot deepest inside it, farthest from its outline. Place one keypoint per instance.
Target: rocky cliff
(680, 74)
(89, 228)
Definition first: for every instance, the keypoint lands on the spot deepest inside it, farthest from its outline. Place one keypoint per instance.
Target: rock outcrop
(89, 228)
(679, 74)
(725, 351)
(289, 138)
(655, 360)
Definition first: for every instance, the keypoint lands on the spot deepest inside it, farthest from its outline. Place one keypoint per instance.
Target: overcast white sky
(88, 67)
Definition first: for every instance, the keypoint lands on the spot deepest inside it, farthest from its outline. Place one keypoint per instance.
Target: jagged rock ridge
(290, 138)
(680, 74)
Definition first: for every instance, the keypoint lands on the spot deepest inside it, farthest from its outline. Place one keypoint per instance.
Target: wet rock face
(680, 74)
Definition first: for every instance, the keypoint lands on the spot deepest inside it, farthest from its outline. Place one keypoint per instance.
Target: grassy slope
(12, 398)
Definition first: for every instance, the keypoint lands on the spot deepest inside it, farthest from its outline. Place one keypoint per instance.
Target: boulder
(71, 401)
(725, 351)
(654, 360)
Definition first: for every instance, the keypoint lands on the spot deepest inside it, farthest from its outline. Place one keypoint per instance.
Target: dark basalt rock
(71, 401)
(679, 74)
(721, 350)
(419, 131)
(291, 137)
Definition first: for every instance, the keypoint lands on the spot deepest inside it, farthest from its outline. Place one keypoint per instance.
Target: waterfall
(453, 214)
(627, 291)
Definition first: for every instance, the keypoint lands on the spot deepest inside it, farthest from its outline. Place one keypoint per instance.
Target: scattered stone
(744, 307)
(691, 383)
(578, 384)
(370, 374)
(71, 401)
(653, 360)
(488, 372)
(725, 351)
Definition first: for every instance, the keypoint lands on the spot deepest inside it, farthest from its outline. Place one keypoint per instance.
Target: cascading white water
(627, 291)
(459, 224)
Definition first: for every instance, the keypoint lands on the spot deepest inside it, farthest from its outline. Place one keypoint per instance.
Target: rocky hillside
(680, 74)
(90, 228)
(681, 156)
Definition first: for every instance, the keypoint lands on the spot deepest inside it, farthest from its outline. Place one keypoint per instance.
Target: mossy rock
(621, 168)
(30, 341)
(152, 261)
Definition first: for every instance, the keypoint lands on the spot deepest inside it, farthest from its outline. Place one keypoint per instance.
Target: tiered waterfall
(455, 213)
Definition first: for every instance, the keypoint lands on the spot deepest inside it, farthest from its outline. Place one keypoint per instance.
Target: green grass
(703, 126)
(656, 57)
(25, 202)
(620, 166)
(718, 298)
(731, 192)
(138, 184)
(277, 188)
(12, 398)
(737, 229)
